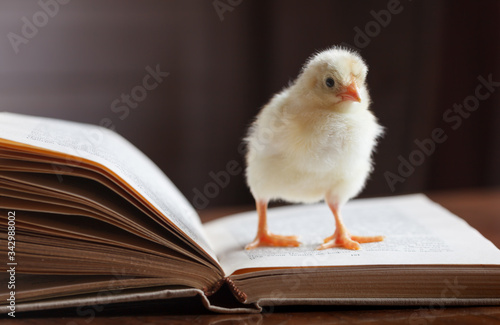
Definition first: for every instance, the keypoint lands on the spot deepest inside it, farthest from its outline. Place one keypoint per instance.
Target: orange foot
(268, 239)
(348, 241)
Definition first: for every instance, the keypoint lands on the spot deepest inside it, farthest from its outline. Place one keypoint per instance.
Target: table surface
(480, 208)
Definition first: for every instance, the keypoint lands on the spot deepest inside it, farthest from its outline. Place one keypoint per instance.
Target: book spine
(208, 291)
(240, 295)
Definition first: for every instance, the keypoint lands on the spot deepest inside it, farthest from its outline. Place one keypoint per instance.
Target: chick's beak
(351, 93)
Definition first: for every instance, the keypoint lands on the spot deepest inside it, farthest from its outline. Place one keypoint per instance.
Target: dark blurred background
(79, 60)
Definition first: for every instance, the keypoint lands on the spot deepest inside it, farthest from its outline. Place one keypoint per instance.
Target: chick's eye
(330, 82)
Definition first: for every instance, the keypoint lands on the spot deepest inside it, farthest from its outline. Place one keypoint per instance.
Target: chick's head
(334, 78)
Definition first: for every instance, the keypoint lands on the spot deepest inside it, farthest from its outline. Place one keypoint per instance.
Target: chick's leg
(264, 237)
(341, 237)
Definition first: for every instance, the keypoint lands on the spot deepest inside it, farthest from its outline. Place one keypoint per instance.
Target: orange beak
(351, 93)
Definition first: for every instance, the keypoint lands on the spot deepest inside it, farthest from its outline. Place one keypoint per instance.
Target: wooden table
(481, 208)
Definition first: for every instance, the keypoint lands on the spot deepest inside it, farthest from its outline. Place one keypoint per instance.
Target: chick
(313, 141)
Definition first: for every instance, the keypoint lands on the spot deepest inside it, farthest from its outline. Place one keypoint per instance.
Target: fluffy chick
(313, 141)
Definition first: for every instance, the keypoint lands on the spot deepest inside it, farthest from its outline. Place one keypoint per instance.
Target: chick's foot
(348, 241)
(268, 239)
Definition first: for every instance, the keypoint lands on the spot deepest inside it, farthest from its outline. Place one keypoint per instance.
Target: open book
(87, 219)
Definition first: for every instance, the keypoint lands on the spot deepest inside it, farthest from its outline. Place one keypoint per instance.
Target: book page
(416, 230)
(108, 149)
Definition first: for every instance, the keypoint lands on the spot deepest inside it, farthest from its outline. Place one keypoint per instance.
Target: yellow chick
(313, 141)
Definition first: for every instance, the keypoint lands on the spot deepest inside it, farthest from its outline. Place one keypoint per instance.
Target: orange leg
(341, 237)
(264, 237)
